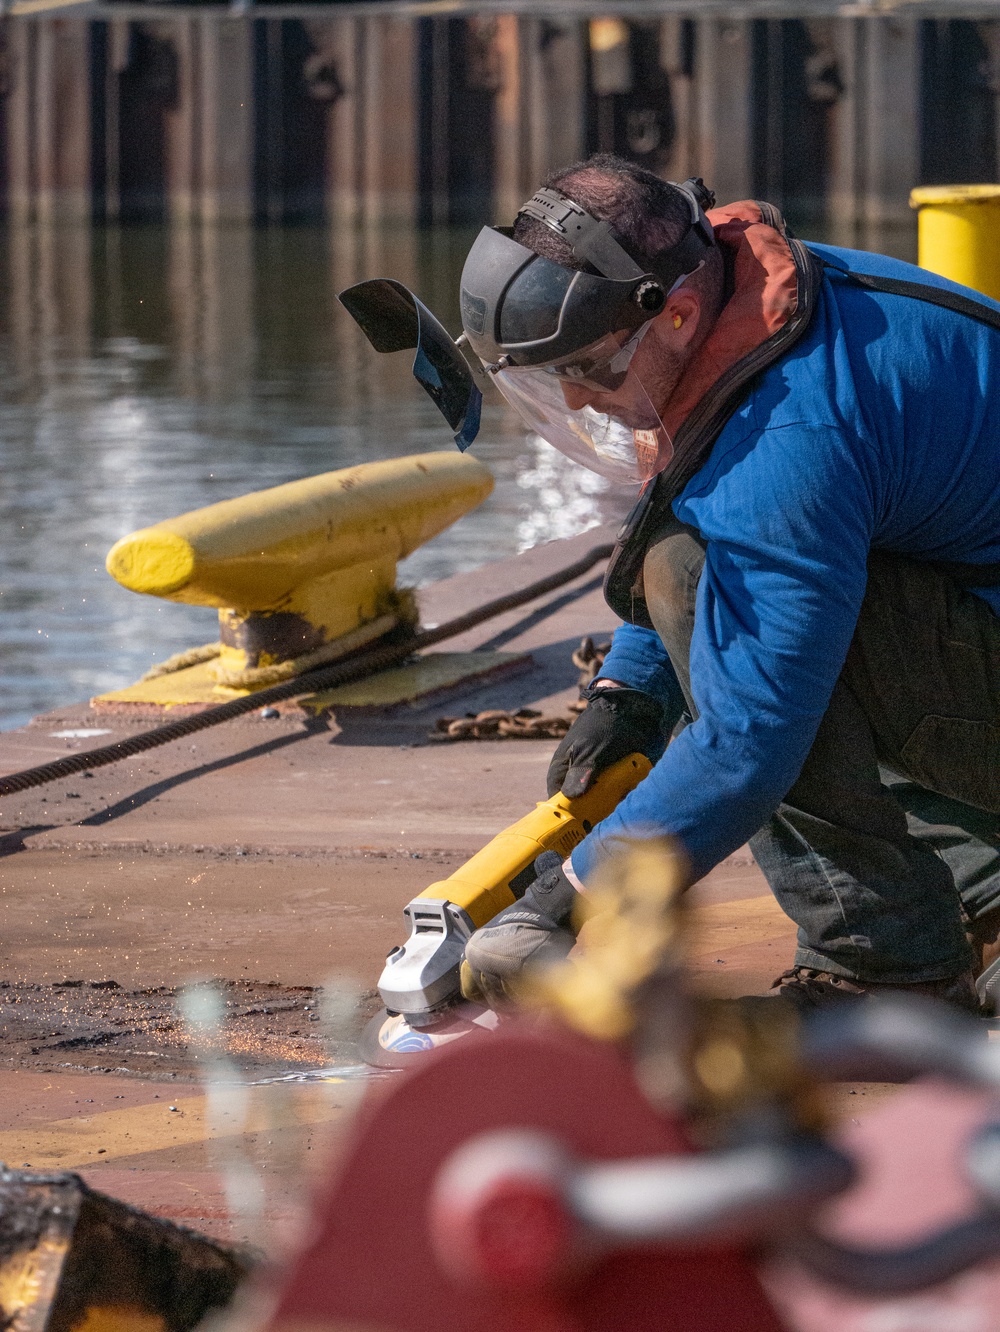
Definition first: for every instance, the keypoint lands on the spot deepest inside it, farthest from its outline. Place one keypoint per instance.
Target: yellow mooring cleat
(301, 574)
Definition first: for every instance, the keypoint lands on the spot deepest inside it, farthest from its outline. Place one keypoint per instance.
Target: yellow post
(959, 234)
(303, 570)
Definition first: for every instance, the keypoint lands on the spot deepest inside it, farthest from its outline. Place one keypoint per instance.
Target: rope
(258, 677)
(329, 677)
(403, 610)
(180, 661)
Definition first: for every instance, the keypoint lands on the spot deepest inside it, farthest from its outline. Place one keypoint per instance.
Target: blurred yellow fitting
(299, 566)
(631, 933)
(959, 234)
(744, 1056)
(721, 1066)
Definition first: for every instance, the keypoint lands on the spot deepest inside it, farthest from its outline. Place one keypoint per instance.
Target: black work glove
(616, 722)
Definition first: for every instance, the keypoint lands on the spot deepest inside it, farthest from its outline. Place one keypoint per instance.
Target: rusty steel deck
(272, 854)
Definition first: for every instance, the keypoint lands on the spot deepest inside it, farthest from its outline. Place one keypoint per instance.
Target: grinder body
(421, 977)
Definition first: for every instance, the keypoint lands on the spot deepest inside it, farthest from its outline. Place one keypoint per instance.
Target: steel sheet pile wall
(453, 120)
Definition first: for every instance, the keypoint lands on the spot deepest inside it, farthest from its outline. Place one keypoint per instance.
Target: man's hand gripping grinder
(420, 982)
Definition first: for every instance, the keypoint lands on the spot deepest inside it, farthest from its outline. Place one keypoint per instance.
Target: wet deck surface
(275, 856)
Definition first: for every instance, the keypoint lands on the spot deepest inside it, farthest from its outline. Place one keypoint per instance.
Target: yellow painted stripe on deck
(68, 1144)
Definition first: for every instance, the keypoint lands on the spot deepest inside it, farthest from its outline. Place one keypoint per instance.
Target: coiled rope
(345, 672)
(400, 610)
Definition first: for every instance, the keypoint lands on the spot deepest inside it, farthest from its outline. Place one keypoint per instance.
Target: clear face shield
(594, 407)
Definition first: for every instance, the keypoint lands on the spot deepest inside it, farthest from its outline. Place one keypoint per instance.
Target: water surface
(147, 371)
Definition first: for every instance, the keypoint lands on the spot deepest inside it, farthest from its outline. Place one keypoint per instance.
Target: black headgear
(521, 309)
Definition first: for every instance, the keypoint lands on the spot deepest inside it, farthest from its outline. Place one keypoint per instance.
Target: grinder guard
(421, 975)
(393, 319)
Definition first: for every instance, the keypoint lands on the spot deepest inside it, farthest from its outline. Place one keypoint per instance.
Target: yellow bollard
(959, 234)
(303, 570)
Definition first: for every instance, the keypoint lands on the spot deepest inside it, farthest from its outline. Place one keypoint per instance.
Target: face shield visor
(594, 408)
(393, 319)
(574, 351)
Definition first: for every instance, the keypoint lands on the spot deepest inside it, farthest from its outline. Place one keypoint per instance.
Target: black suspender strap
(967, 575)
(922, 291)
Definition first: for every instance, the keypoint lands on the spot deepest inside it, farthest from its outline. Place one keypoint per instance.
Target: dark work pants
(886, 851)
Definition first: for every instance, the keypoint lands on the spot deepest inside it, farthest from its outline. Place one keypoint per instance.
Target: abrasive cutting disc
(390, 1042)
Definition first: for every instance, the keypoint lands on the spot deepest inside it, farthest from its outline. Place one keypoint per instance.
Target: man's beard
(660, 375)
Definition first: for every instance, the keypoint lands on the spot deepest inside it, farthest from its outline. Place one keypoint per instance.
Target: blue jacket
(880, 429)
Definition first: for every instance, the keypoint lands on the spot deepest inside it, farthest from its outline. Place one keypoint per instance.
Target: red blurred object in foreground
(418, 1232)
(371, 1259)
(911, 1182)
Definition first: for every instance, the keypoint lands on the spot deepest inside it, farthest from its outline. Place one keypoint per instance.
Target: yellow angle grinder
(419, 984)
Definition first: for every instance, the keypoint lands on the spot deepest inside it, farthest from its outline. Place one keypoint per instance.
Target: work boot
(537, 930)
(809, 989)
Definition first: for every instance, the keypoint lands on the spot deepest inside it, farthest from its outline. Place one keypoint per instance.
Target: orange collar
(765, 297)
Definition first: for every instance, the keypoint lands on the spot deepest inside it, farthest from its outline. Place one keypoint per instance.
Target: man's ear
(681, 316)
